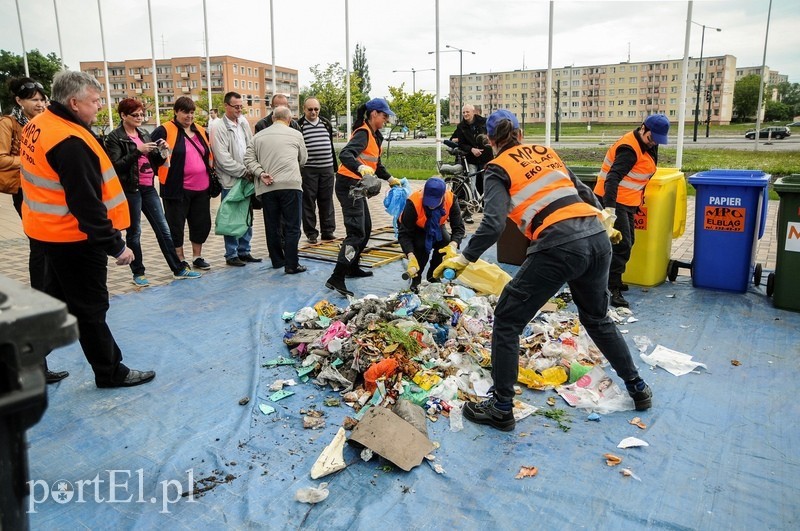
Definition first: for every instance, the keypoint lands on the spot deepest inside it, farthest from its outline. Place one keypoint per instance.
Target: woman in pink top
(185, 182)
(134, 156)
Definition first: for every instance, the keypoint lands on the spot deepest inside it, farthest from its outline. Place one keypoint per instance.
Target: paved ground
(14, 245)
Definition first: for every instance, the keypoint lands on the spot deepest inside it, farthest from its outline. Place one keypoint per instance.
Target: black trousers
(357, 226)
(193, 208)
(318, 193)
(77, 275)
(418, 241)
(36, 261)
(621, 252)
(282, 226)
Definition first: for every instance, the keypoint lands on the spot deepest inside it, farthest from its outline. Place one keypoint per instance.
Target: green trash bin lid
(789, 183)
(586, 174)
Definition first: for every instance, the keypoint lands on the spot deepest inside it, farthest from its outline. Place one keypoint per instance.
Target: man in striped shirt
(318, 173)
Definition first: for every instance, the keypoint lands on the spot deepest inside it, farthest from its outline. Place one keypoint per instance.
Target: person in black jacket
(278, 100)
(467, 136)
(134, 156)
(318, 173)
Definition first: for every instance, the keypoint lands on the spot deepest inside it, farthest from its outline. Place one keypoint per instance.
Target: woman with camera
(355, 182)
(134, 156)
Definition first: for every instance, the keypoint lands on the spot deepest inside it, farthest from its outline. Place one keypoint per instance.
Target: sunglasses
(30, 86)
(137, 115)
(313, 109)
(237, 107)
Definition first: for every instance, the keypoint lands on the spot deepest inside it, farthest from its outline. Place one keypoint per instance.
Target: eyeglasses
(237, 107)
(30, 86)
(313, 109)
(137, 115)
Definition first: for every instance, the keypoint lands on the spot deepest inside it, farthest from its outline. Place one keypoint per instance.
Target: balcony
(184, 75)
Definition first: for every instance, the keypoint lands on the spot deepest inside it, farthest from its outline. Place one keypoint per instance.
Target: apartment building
(186, 76)
(613, 93)
(773, 77)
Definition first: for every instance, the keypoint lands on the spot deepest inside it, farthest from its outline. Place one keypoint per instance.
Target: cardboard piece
(391, 437)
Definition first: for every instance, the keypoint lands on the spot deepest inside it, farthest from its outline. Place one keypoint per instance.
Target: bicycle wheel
(463, 194)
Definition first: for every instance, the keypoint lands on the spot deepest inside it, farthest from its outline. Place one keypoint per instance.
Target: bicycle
(461, 181)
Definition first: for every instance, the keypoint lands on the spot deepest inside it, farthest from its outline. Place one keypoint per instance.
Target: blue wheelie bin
(730, 217)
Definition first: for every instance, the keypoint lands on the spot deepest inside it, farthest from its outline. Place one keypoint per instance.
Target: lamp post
(414, 76)
(460, 70)
(699, 78)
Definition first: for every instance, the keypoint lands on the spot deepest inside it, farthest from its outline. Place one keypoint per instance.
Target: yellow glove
(365, 170)
(457, 263)
(615, 236)
(607, 218)
(393, 181)
(453, 247)
(413, 265)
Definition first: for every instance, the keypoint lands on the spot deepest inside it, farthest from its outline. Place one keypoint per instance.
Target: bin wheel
(757, 275)
(672, 270)
(770, 284)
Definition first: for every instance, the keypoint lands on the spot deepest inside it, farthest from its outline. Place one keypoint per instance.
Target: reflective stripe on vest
(369, 157)
(171, 140)
(631, 187)
(45, 213)
(541, 191)
(422, 216)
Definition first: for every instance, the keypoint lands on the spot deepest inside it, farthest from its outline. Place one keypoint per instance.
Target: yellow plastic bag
(480, 275)
(552, 377)
(426, 380)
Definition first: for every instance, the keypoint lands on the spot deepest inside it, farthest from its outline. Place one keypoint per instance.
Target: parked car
(396, 135)
(779, 133)
(422, 134)
(793, 124)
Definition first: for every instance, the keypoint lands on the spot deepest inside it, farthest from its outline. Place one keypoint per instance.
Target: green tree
(329, 88)
(414, 110)
(444, 105)
(101, 122)
(776, 111)
(201, 114)
(42, 68)
(361, 69)
(789, 93)
(745, 97)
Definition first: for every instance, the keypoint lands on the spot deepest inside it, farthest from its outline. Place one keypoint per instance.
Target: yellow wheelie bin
(661, 218)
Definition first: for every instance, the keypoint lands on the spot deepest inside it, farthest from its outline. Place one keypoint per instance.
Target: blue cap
(433, 192)
(498, 116)
(379, 104)
(658, 124)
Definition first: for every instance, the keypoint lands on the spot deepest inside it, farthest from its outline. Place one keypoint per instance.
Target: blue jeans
(583, 265)
(237, 246)
(146, 200)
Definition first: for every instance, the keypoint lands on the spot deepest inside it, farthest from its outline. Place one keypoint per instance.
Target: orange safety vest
(631, 187)
(172, 138)
(369, 157)
(45, 213)
(541, 191)
(422, 216)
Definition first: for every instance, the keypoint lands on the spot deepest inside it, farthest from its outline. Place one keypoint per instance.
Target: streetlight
(699, 76)
(414, 76)
(460, 70)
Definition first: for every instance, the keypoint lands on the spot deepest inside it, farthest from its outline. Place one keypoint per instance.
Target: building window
(235, 83)
(235, 69)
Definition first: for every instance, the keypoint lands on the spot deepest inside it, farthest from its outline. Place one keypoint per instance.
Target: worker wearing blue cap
(531, 186)
(628, 166)
(356, 181)
(421, 228)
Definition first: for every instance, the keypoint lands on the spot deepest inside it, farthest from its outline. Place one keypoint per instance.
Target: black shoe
(298, 269)
(132, 379)
(199, 263)
(235, 262)
(486, 412)
(641, 393)
(312, 240)
(623, 287)
(249, 258)
(328, 237)
(357, 272)
(55, 376)
(338, 285)
(617, 300)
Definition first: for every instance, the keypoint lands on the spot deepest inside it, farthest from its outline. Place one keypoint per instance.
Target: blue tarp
(723, 448)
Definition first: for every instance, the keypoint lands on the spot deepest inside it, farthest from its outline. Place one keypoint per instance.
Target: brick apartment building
(611, 93)
(186, 76)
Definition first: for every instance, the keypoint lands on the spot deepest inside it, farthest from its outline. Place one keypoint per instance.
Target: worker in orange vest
(74, 209)
(530, 185)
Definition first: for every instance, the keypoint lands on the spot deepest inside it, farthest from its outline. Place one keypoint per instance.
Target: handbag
(214, 184)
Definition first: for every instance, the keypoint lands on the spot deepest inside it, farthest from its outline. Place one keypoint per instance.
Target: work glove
(393, 181)
(607, 218)
(413, 266)
(365, 170)
(457, 263)
(453, 247)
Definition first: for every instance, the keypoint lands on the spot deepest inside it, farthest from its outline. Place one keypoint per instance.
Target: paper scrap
(279, 395)
(265, 409)
(631, 442)
(672, 361)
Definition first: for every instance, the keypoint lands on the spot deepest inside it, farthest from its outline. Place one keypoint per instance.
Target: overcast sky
(397, 35)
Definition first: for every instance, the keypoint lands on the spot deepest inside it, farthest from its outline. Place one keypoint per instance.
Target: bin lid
(788, 183)
(665, 175)
(731, 177)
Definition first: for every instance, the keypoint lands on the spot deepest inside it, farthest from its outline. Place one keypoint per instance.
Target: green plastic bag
(235, 215)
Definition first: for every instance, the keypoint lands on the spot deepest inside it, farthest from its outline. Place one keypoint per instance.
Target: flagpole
(105, 67)
(22, 37)
(153, 54)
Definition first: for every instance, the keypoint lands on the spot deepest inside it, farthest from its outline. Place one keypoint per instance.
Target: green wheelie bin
(784, 284)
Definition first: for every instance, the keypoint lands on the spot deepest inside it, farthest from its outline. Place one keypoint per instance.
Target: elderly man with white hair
(274, 157)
